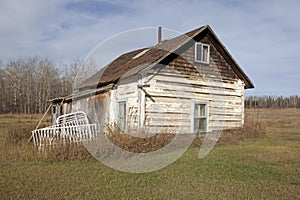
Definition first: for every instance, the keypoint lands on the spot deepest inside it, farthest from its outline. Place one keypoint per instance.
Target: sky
(263, 36)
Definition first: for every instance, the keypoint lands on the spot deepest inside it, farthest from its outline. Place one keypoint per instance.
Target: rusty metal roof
(131, 63)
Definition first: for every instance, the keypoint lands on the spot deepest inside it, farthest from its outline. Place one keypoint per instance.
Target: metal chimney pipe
(159, 34)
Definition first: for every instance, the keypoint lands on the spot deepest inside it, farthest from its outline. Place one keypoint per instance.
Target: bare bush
(253, 128)
(140, 142)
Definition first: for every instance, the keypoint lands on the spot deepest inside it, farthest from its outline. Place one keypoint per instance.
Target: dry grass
(66, 151)
(18, 134)
(253, 128)
(281, 146)
(262, 168)
(15, 132)
(15, 143)
(24, 116)
(140, 142)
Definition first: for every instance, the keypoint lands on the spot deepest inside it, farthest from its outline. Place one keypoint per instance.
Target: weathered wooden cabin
(189, 83)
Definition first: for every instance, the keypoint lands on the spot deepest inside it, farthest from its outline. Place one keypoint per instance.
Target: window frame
(202, 53)
(118, 121)
(194, 117)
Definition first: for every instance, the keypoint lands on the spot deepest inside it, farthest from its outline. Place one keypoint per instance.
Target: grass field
(261, 168)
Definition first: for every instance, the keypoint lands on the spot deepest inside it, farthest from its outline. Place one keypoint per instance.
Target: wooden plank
(167, 105)
(173, 80)
(183, 95)
(189, 93)
(168, 124)
(167, 112)
(205, 98)
(168, 116)
(225, 118)
(200, 90)
(157, 129)
(202, 81)
(125, 95)
(225, 113)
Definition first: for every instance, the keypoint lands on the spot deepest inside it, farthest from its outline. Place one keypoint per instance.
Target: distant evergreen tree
(272, 102)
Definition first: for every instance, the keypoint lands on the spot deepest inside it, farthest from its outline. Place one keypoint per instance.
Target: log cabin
(187, 84)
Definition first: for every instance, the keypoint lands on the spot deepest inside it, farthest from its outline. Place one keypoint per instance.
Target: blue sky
(262, 35)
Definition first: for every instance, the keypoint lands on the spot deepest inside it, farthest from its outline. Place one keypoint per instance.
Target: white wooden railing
(73, 127)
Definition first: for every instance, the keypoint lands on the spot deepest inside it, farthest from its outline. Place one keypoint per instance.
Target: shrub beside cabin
(189, 83)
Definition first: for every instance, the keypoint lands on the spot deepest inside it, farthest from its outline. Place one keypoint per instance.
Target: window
(202, 53)
(57, 110)
(121, 115)
(200, 117)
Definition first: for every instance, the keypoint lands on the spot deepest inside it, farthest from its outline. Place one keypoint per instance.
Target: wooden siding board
(179, 84)
(175, 87)
(128, 91)
(200, 82)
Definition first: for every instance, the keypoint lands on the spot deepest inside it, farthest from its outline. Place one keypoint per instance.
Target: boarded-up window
(202, 53)
(122, 115)
(200, 118)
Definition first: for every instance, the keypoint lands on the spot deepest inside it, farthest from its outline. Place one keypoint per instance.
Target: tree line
(27, 85)
(272, 102)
